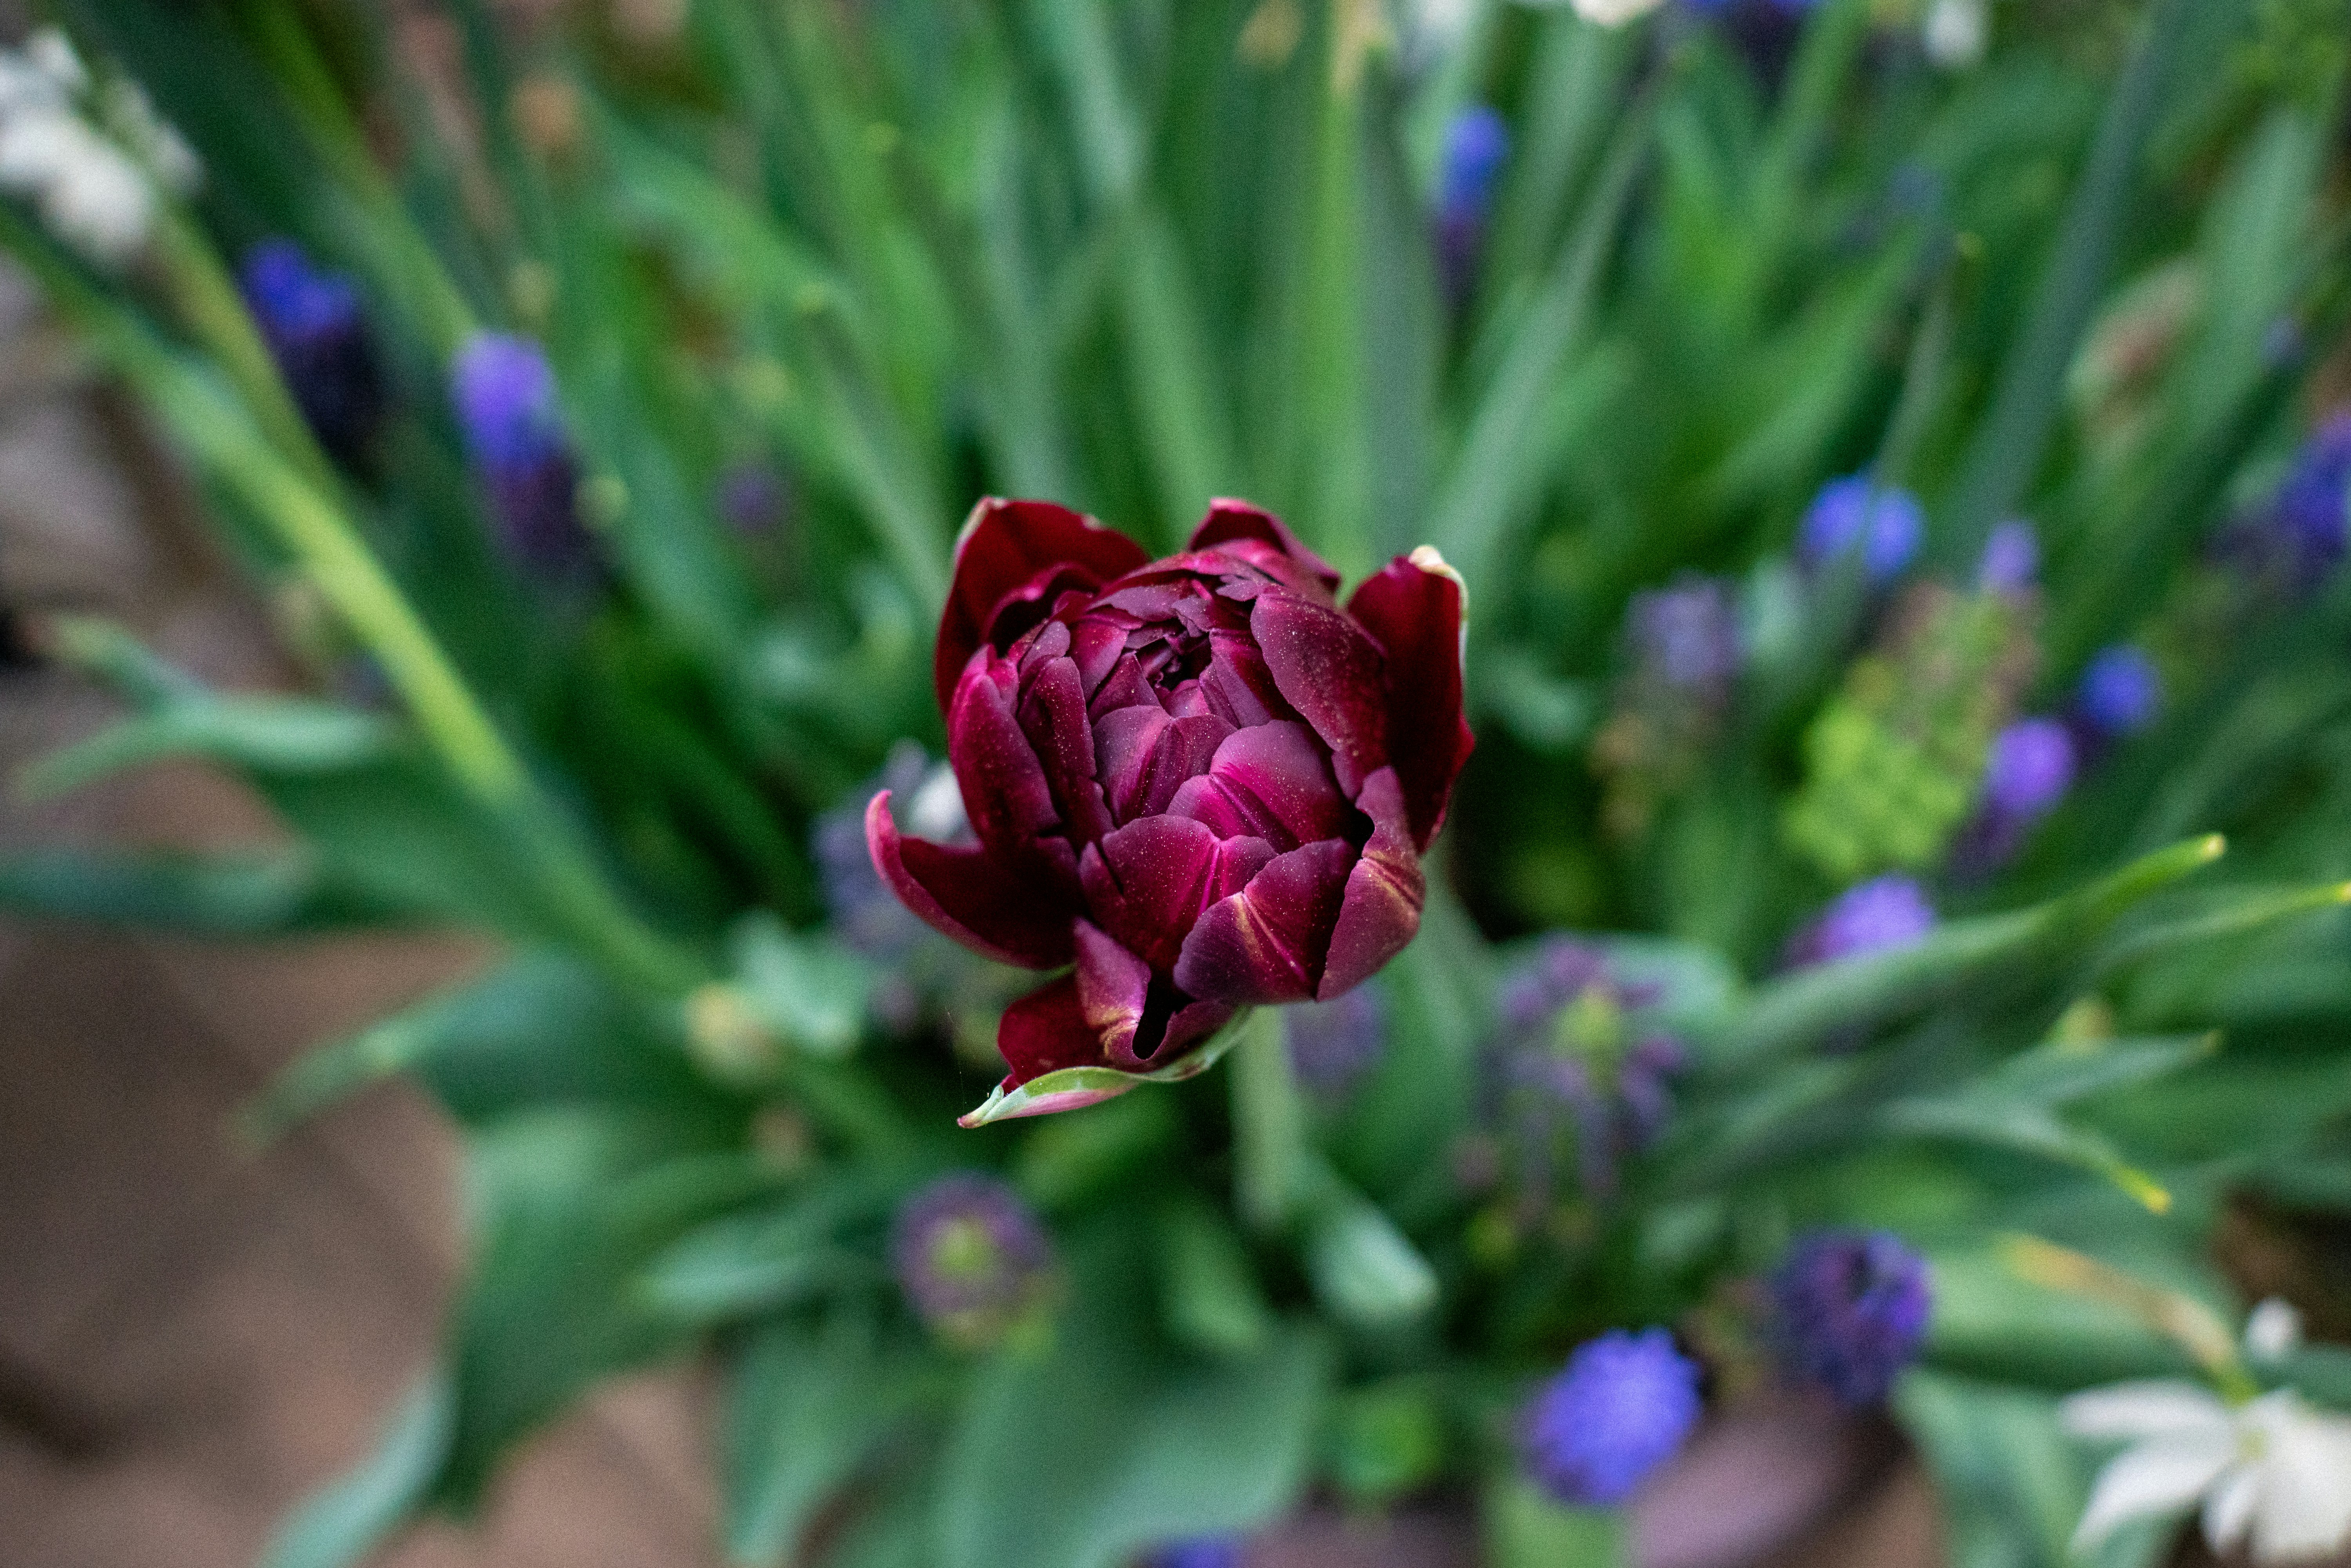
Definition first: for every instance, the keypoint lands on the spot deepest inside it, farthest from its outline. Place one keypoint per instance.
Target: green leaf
(567, 1206)
(346, 1521)
(1525, 1528)
(805, 1405)
(778, 1254)
(1991, 1323)
(1803, 1008)
(1086, 1085)
(268, 735)
(809, 989)
(1110, 1443)
(2021, 1128)
(2006, 452)
(2012, 1487)
(277, 894)
(1208, 1295)
(1068, 1160)
(541, 1029)
(1365, 1271)
(1490, 479)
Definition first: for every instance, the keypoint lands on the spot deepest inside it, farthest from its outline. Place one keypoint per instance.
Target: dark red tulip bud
(1198, 780)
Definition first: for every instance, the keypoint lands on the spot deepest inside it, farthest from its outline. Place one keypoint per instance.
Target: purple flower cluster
(1624, 1405)
(504, 390)
(2011, 562)
(1879, 915)
(973, 1260)
(1333, 1044)
(1884, 524)
(1572, 1060)
(2291, 543)
(311, 320)
(1848, 1313)
(2032, 764)
(1686, 636)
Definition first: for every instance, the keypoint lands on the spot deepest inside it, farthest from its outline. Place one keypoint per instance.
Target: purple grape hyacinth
(2291, 543)
(2031, 766)
(504, 390)
(1686, 635)
(2012, 559)
(972, 1257)
(1333, 1044)
(1849, 1310)
(1477, 145)
(1885, 523)
(1572, 1060)
(1200, 1552)
(1879, 915)
(2120, 693)
(1624, 1405)
(311, 321)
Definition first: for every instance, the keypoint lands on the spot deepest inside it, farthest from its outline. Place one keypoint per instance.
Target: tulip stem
(1268, 1123)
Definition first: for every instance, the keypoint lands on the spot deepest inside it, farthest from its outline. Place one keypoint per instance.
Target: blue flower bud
(311, 321)
(1875, 916)
(504, 390)
(1200, 1552)
(1849, 1310)
(2031, 766)
(1625, 1403)
(2012, 559)
(1884, 524)
(2120, 692)
(1476, 145)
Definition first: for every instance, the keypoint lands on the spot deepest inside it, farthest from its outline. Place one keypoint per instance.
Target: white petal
(1614, 13)
(2228, 1509)
(2305, 1508)
(2273, 1331)
(1956, 33)
(2157, 1408)
(2151, 1479)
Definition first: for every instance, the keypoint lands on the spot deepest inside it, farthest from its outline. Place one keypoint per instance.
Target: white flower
(96, 192)
(1615, 12)
(2274, 1473)
(158, 144)
(1956, 33)
(89, 192)
(2273, 1331)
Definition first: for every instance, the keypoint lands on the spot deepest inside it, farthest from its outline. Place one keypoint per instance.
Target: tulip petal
(1005, 791)
(1326, 668)
(1381, 911)
(1148, 881)
(1271, 782)
(1413, 609)
(1146, 756)
(1005, 546)
(1140, 1019)
(964, 894)
(1230, 522)
(1054, 717)
(1236, 686)
(1267, 942)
